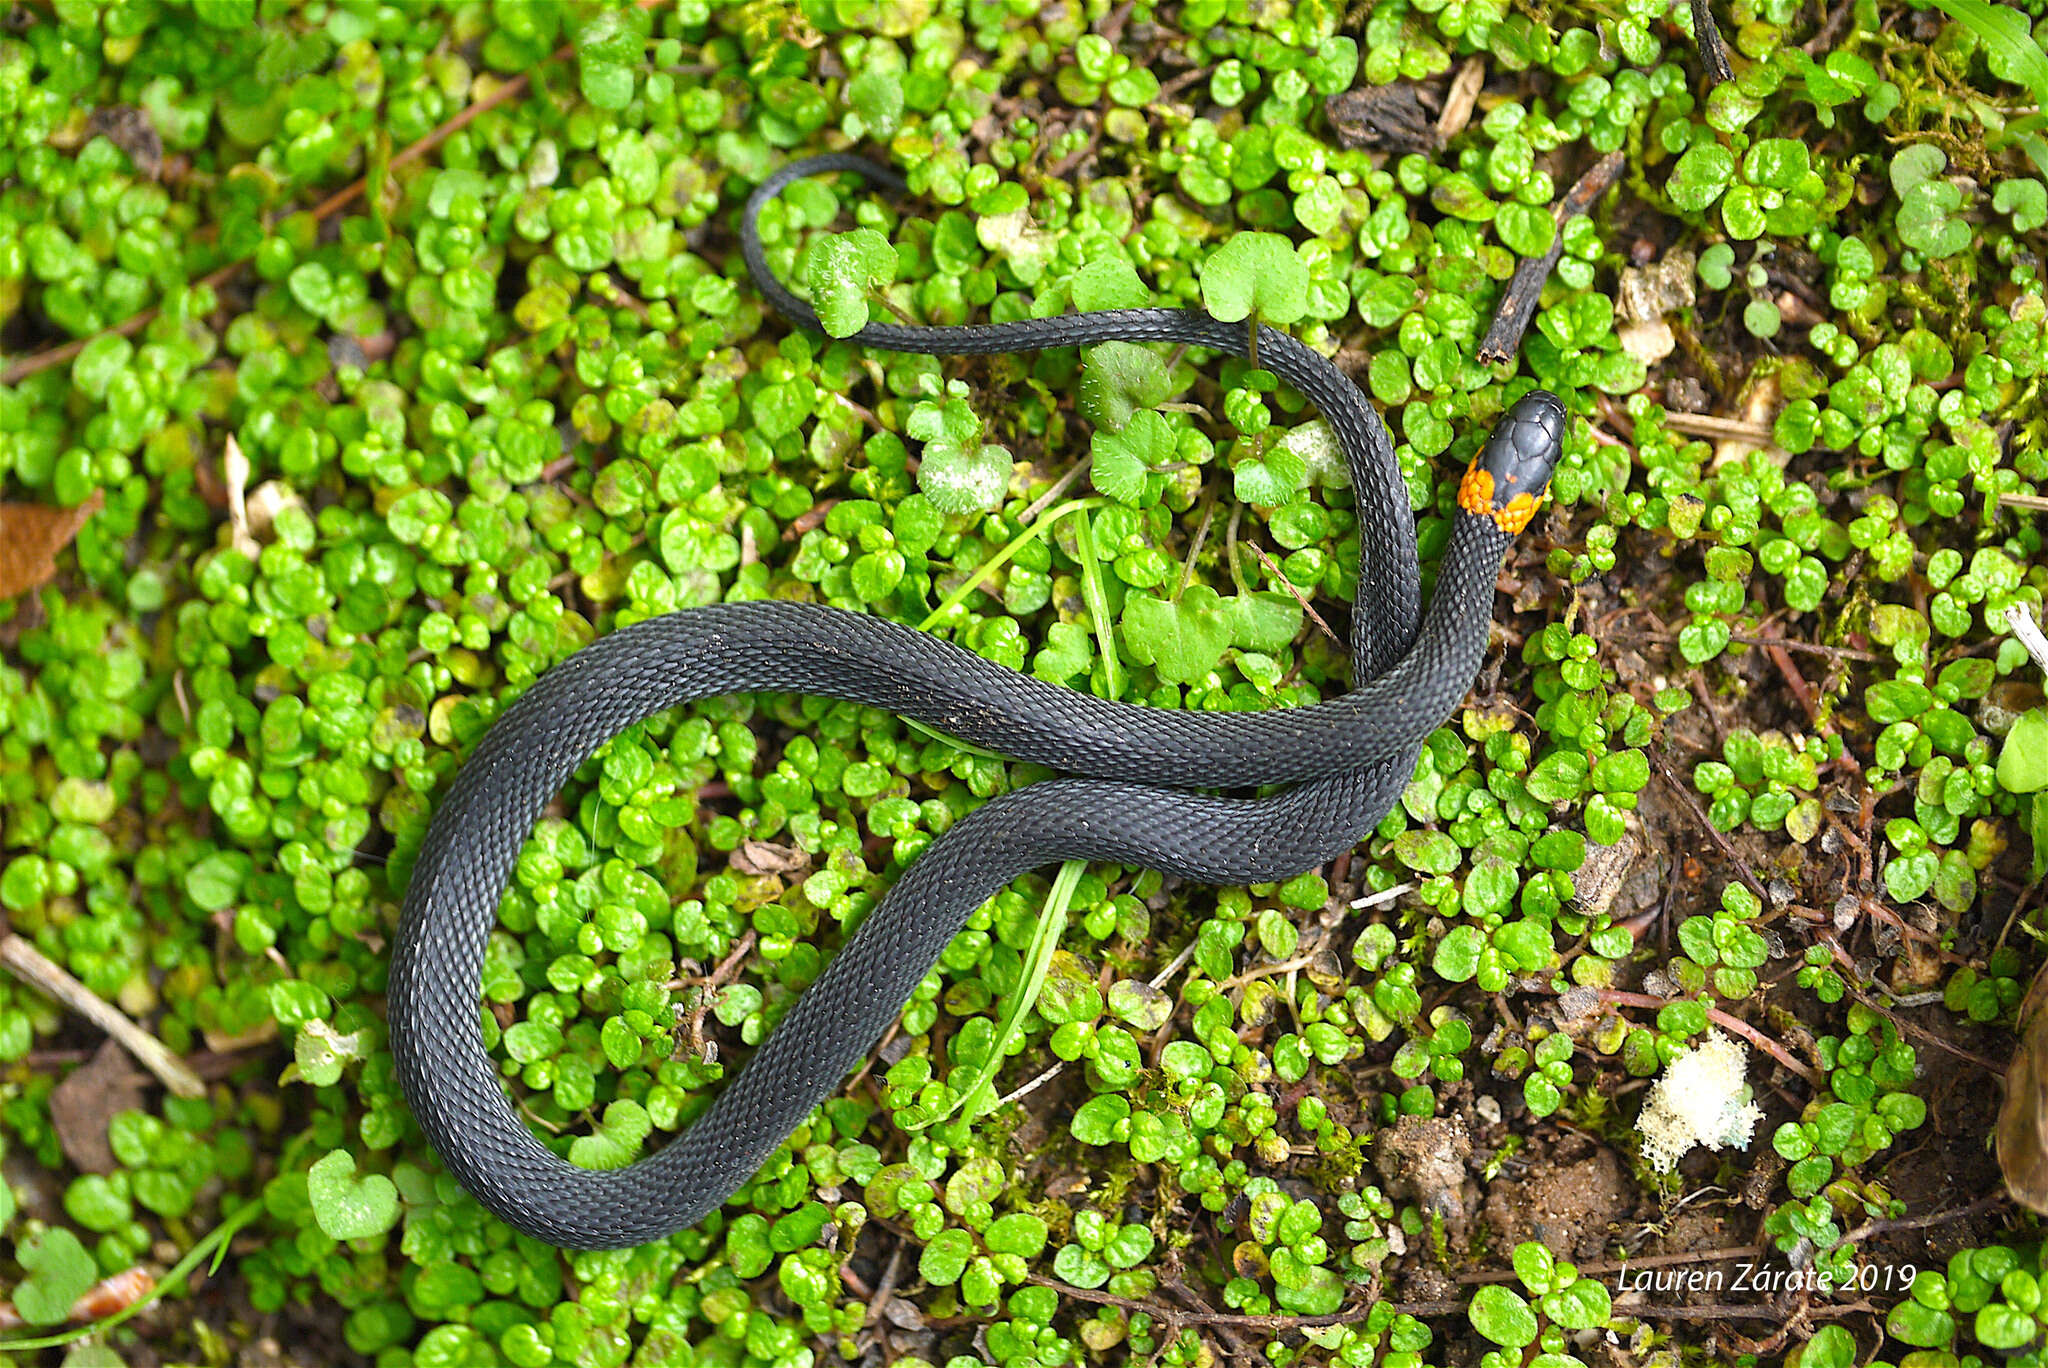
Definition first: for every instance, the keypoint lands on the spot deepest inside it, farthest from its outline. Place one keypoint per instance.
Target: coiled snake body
(1348, 759)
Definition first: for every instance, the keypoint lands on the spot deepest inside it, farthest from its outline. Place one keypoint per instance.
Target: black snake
(1347, 758)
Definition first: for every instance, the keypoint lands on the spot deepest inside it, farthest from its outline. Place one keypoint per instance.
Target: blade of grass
(2005, 33)
(1098, 603)
(979, 1096)
(1043, 525)
(1037, 529)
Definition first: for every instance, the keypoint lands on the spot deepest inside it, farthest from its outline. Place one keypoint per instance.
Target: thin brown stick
(1713, 425)
(1822, 1311)
(38, 970)
(1595, 1269)
(1751, 639)
(1458, 102)
(1187, 573)
(1733, 1024)
(1299, 597)
(1921, 1033)
(1713, 50)
(1525, 289)
(1864, 1232)
(1837, 19)
(887, 1287)
(1721, 842)
(717, 979)
(1781, 660)
(1173, 1314)
(1059, 487)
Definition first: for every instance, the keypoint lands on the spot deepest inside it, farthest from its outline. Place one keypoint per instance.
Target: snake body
(1348, 759)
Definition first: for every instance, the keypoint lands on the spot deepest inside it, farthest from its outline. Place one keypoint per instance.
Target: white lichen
(1702, 1099)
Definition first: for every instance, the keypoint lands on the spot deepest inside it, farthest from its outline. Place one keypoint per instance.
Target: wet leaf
(31, 535)
(2022, 1132)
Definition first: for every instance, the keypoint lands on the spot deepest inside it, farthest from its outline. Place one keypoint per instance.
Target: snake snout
(1510, 473)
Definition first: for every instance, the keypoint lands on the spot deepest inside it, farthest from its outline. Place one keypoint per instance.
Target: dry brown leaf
(88, 1099)
(131, 130)
(2022, 1133)
(766, 857)
(31, 535)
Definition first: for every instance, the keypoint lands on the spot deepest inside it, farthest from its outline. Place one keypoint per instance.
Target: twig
(35, 968)
(1721, 842)
(1033, 1086)
(1713, 51)
(2020, 618)
(1182, 82)
(1385, 895)
(1831, 30)
(1781, 659)
(1824, 1311)
(1458, 102)
(1735, 1024)
(887, 1287)
(862, 412)
(1230, 547)
(1299, 597)
(1267, 971)
(867, 1065)
(810, 519)
(1864, 1232)
(1187, 573)
(1592, 1270)
(1060, 169)
(1059, 487)
(1174, 966)
(1173, 1314)
(1711, 425)
(711, 985)
(1918, 1032)
(1751, 639)
(1525, 289)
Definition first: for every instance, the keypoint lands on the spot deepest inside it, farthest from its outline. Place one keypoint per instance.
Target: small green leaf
(617, 1142)
(963, 479)
(2025, 199)
(605, 85)
(1457, 954)
(877, 96)
(1500, 1314)
(842, 270)
(1109, 282)
(1123, 459)
(1264, 621)
(1255, 272)
(1183, 640)
(1096, 1120)
(2023, 760)
(1914, 165)
(60, 1271)
(1019, 1233)
(1699, 177)
(1120, 379)
(347, 1206)
(216, 881)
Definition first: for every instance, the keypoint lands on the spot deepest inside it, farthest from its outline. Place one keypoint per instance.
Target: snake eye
(1510, 473)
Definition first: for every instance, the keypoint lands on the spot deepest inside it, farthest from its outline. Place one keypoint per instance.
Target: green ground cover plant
(362, 361)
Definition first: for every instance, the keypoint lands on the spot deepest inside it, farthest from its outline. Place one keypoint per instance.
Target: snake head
(1507, 478)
